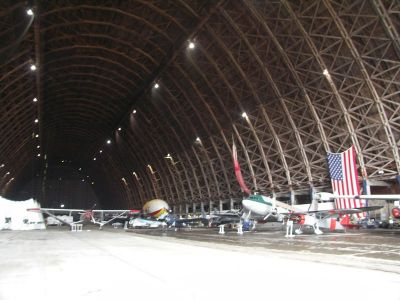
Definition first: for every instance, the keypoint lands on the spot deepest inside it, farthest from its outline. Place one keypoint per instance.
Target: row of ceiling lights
(191, 46)
(33, 68)
(29, 12)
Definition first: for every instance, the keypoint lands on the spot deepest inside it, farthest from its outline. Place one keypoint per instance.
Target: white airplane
(86, 215)
(264, 207)
(333, 219)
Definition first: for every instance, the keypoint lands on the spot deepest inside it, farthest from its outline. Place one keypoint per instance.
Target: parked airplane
(86, 215)
(266, 207)
(156, 213)
(332, 219)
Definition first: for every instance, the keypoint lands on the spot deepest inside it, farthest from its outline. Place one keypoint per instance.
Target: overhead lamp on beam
(191, 45)
(134, 111)
(94, 158)
(108, 142)
(156, 85)
(2, 166)
(33, 67)
(326, 73)
(36, 120)
(101, 151)
(29, 12)
(36, 136)
(35, 99)
(244, 115)
(198, 140)
(119, 128)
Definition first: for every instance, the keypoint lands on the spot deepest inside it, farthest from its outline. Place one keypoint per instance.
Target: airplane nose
(246, 204)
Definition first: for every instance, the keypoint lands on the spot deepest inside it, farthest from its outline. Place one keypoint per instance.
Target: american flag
(344, 178)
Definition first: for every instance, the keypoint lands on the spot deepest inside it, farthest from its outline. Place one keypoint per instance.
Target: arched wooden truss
(311, 76)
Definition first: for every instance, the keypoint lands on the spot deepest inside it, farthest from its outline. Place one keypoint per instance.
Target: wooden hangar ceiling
(287, 81)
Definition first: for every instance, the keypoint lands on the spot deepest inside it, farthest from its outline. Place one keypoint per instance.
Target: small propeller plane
(86, 215)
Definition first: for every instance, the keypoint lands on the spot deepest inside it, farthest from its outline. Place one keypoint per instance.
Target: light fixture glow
(33, 67)
(197, 139)
(244, 115)
(325, 72)
(62, 205)
(35, 99)
(108, 141)
(119, 128)
(92, 182)
(37, 135)
(191, 45)
(134, 111)
(101, 151)
(2, 165)
(94, 158)
(38, 155)
(36, 120)
(38, 146)
(156, 86)
(29, 12)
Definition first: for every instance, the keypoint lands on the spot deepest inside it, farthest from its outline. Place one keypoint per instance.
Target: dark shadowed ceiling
(311, 76)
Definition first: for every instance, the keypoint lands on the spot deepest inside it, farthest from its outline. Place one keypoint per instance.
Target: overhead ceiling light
(244, 115)
(134, 111)
(35, 99)
(325, 72)
(29, 12)
(191, 45)
(197, 139)
(38, 155)
(119, 128)
(8, 173)
(62, 205)
(37, 135)
(94, 158)
(33, 67)
(38, 146)
(36, 120)
(2, 165)
(108, 141)
(101, 151)
(156, 86)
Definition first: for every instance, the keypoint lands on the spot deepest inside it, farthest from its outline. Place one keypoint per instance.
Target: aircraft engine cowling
(156, 208)
(396, 212)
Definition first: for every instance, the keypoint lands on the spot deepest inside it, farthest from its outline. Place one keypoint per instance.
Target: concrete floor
(197, 264)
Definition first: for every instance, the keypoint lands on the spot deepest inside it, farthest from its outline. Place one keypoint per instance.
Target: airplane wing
(373, 197)
(334, 211)
(49, 211)
(45, 210)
